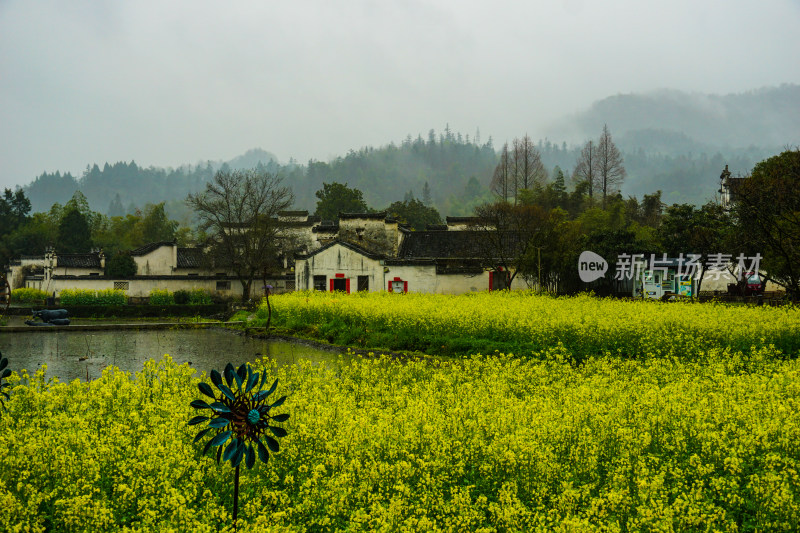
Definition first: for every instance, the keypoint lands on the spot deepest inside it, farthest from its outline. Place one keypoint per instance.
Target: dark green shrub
(181, 297)
(121, 265)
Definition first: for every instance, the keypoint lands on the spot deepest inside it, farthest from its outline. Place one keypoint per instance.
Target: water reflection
(83, 355)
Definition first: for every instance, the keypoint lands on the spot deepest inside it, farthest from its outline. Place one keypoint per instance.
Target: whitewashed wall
(159, 262)
(335, 260)
(339, 259)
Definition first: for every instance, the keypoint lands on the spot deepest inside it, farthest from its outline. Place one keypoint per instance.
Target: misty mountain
(251, 159)
(670, 141)
(456, 169)
(673, 122)
(133, 185)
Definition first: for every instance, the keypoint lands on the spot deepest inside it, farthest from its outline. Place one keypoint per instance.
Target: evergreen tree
(414, 213)
(156, 226)
(426, 194)
(115, 208)
(121, 265)
(335, 198)
(74, 236)
(559, 187)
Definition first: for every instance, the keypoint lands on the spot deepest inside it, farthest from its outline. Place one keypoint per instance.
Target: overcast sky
(171, 82)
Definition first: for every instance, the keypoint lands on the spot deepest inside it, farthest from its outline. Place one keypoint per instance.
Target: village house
(373, 252)
(160, 265)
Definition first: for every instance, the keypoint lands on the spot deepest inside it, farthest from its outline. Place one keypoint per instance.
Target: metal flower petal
(240, 422)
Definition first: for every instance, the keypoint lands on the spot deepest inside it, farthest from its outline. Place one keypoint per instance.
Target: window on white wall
(121, 285)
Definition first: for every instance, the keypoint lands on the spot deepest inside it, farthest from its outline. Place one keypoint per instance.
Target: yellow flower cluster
(525, 323)
(93, 297)
(379, 444)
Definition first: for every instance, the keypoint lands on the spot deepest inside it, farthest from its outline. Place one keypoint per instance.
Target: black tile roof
(442, 245)
(147, 248)
(462, 220)
(297, 223)
(327, 226)
(370, 216)
(91, 260)
(349, 245)
(190, 257)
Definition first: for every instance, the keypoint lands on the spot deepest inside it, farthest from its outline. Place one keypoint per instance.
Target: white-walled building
(160, 265)
(374, 253)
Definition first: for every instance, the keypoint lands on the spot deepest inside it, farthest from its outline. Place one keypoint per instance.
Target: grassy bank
(479, 444)
(527, 324)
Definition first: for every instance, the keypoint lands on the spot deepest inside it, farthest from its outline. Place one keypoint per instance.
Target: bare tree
(239, 209)
(519, 168)
(507, 234)
(610, 170)
(501, 180)
(528, 168)
(586, 169)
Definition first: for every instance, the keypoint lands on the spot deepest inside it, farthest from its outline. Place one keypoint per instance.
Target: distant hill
(679, 142)
(251, 159)
(101, 186)
(670, 121)
(456, 170)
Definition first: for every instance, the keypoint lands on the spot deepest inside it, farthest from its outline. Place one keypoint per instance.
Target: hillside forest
(456, 168)
(554, 219)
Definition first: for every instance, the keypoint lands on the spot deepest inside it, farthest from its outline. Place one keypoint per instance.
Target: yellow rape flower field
(614, 433)
(524, 323)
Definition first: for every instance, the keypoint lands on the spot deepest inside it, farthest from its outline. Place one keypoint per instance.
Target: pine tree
(426, 195)
(74, 236)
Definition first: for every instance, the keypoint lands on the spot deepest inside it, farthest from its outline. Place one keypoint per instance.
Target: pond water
(73, 355)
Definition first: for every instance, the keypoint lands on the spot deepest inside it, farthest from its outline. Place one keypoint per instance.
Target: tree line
(75, 228)
(543, 228)
(457, 170)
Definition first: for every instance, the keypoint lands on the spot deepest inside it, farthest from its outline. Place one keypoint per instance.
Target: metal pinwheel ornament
(240, 419)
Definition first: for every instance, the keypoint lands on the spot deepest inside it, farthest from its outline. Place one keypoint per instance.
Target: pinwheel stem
(269, 315)
(235, 496)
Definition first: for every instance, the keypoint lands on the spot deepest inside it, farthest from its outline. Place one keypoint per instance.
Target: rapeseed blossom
(663, 425)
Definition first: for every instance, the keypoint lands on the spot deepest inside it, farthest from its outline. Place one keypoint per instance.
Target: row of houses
(160, 265)
(362, 252)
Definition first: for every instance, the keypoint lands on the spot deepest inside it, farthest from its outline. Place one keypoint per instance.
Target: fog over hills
(671, 141)
(670, 121)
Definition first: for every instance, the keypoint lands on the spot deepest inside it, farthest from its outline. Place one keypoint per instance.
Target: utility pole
(539, 279)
